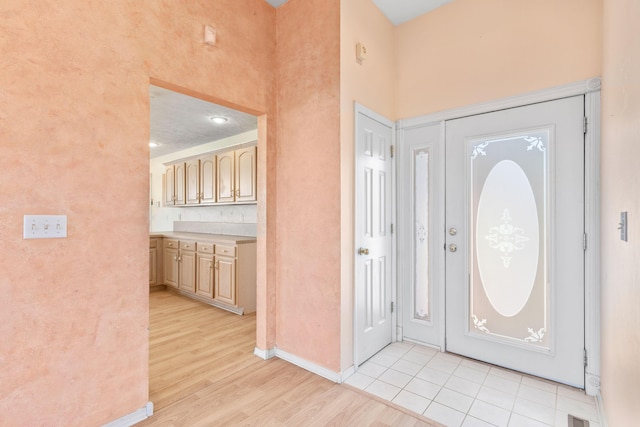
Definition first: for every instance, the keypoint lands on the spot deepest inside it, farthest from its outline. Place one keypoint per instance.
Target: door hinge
(392, 150)
(584, 241)
(585, 360)
(392, 306)
(584, 125)
(391, 228)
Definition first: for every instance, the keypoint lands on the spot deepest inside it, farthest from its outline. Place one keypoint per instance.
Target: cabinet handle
(175, 258)
(217, 264)
(237, 193)
(210, 265)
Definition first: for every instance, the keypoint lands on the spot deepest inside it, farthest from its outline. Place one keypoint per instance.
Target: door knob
(363, 251)
(453, 247)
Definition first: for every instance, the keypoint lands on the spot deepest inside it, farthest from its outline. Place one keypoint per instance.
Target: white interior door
(514, 238)
(373, 236)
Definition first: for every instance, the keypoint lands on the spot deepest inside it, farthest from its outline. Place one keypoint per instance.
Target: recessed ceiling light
(218, 120)
(153, 144)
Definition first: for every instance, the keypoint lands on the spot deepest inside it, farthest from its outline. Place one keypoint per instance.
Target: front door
(373, 235)
(514, 233)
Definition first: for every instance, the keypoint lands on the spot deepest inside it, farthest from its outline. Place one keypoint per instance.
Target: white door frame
(360, 109)
(591, 90)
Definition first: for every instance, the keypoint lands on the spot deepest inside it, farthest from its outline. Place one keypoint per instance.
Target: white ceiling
(397, 11)
(179, 122)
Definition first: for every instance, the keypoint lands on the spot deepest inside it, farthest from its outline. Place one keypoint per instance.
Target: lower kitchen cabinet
(204, 267)
(225, 280)
(155, 262)
(187, 267)
(170, 258)
(220, 274)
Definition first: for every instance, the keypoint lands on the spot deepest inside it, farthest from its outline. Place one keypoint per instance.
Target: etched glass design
(421, 234)
(509, 289)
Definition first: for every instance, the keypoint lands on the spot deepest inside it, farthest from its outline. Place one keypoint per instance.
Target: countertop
(223, 238)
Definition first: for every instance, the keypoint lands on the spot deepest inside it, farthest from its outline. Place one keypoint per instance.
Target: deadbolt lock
(453, 247)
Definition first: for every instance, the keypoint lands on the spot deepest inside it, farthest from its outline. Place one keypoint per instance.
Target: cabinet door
(187, 271)
(208, 179)
(225, 280)
(169, 186)
(192, 182)
(171, 267)
(153, 265)
(180, 184)
(226, 177)
(246, 175)
(204, 278)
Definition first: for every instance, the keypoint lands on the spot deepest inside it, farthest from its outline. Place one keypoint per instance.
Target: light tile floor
(456, 391)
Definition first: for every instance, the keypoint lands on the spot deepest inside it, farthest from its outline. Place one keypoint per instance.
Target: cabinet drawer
(153, 243)
(171, 243)
(205, 247)
(225, 250)
(188, 246)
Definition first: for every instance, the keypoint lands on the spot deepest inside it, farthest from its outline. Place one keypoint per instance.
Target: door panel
(515, 265)
(373, 237)
(420, 239)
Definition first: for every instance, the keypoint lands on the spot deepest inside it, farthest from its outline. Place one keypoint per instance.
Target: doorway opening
(203, 186)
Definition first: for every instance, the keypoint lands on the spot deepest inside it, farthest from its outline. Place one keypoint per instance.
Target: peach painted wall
(370, 84)
(74, 127)
(620, 184)
(308, 181)
(471, 51)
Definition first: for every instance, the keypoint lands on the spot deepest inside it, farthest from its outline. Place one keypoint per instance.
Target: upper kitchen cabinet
(237, 176)
(192, 182)
(174, 184)
(208, 179)
(246, 177)
(223, 178)
(226, 177)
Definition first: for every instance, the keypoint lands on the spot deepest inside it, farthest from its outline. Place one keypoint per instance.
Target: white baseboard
(133, 418)
(336, 377)
(264, 354)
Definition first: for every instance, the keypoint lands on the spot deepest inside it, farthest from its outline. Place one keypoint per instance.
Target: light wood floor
(203, 373)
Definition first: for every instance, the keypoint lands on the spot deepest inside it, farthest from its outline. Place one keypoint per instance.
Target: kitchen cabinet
(170, 258)
(192, 182)
(237, 176)
(204, 268)
(226, 177)
(225, 275)
(174, 184)
(208, 179)
(218, 272)
(187, 266)
(153, 262)
(229, 177)
(245, 174)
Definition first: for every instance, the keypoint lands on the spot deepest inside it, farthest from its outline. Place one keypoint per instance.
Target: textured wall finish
(469, 51)
(308, 195)
(370, 84)
(620, 183)
(74, 128)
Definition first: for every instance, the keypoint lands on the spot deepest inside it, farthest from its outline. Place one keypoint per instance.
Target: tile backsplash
(245, 216)
(229, 228)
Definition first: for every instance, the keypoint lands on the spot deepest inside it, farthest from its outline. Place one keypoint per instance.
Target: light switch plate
(45, 226)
